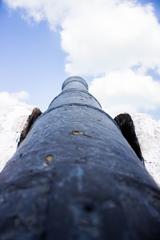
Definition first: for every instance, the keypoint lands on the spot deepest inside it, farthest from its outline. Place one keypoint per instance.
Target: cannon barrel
(75, 177)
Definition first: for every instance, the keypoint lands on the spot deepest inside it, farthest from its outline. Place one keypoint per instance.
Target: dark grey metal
(75, 177)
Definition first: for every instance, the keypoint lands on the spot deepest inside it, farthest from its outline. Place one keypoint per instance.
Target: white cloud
(8, 100)
(126, 91)
(51, 10)
(100, 35)
(104, 37)
(13, 114)
(107, 38)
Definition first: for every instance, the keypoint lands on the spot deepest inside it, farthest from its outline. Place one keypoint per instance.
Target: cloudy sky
(113, 44)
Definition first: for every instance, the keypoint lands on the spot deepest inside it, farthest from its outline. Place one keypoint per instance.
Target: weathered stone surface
(75, 177)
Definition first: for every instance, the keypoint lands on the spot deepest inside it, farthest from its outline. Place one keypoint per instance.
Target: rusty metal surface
(75, 177)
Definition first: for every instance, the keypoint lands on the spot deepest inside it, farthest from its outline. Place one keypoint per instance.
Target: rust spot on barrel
(49, 159)
(77, 133)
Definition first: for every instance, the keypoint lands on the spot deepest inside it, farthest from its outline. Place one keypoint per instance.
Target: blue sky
(33, 57)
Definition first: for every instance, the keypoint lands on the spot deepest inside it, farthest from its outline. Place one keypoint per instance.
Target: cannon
(75, 177)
